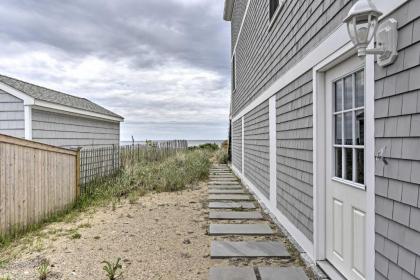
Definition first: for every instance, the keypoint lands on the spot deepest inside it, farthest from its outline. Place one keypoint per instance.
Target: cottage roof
(53, 96)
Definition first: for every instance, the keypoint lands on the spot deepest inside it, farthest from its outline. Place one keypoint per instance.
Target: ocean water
(191, 143)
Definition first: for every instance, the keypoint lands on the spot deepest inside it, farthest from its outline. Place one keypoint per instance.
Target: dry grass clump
(171, 174)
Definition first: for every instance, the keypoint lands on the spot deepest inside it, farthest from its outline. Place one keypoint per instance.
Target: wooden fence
(99, 162)
(36, 181)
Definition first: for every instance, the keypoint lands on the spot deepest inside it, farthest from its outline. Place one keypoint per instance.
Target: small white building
(52, 117)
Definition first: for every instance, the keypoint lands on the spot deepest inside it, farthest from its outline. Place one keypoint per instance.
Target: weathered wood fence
(100, 162)
(36, 181)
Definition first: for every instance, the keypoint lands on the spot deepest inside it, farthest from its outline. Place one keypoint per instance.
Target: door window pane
(339, 96)
(360, 127)
(360, 163)
(348, 161)
(338, 162)
(348, 128)
(338, 129)
(348, 93)
(360, 89)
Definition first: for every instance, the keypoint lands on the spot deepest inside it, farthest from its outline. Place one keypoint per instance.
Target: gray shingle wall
(257, 148)
(237, 144)
(295, 153)
(397, 127)
(12, 120)
(263, 54)
(72, 131)
(237, 16)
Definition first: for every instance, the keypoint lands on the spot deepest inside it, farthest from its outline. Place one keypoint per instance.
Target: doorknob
(380, 155)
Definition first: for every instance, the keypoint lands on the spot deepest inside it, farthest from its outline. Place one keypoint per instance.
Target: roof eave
(227, 13)
(48, 106)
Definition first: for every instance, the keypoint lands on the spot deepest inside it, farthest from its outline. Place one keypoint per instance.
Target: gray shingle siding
(295, 153)
(397, 127)
(237, 144)
(264, 54)
(257, 148)
(12, 121)
(237, 16)
(72, 131)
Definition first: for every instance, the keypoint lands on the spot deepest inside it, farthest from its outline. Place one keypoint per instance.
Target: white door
(345, 168)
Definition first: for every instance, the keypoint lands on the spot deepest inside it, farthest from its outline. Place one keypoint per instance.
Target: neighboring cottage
(326, 133)
(51, 117)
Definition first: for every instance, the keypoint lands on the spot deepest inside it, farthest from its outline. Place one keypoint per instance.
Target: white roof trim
(27, 100)
(45, 105)
(227, 13)
(48, 106)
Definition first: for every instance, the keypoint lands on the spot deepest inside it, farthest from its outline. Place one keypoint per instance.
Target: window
(274, 4)
(233, 73)
(349, 127)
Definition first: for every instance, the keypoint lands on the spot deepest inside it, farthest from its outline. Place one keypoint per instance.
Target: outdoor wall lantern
(362, 26)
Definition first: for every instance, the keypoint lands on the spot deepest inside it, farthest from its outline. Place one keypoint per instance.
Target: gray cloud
(162, 62)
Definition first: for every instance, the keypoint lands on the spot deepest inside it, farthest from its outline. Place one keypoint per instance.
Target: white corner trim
(28, 121)
(48, 106)
(272, 117)
(300, 238)
(332, 43)
(370, 165)
(243, 146)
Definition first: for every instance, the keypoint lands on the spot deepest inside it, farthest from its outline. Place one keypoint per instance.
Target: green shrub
(209, 146)
(111, 269)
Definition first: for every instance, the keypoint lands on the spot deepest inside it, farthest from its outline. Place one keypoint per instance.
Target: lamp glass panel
(362, 28)
(351, 27)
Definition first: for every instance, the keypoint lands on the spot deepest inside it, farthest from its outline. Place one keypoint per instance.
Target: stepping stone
(231, 205)
(235, 215)
(237, 197)
(228, 191)
(218, 182)
(240, 229)
(225, 187)
(282, 273)
(232, 273)
(249, 249)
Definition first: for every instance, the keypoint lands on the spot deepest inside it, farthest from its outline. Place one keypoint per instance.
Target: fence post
(78, 173)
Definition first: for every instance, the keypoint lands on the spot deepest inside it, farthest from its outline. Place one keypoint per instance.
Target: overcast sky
(163, 65)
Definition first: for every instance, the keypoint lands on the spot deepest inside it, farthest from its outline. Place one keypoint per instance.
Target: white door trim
(319, 156)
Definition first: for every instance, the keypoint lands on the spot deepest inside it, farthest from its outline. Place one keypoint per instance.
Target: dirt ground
(162, 236)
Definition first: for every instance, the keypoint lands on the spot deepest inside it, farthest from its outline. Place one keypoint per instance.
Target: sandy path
(162, 236)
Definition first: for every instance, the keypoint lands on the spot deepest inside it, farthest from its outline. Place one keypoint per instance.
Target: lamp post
(363, 25)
